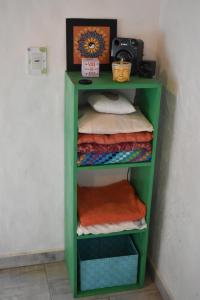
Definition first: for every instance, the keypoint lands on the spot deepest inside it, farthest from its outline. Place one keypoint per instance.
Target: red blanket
(113, 203)
(120, 147)
(115, 138)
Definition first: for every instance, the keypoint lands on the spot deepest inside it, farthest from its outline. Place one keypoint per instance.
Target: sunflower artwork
(89, 38)
(91, 42)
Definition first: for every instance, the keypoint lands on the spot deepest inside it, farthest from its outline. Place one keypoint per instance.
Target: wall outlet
(37, 60)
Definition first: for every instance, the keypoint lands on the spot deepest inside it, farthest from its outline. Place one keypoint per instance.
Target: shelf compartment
(125, 232)
(115, 166)
(107, 262)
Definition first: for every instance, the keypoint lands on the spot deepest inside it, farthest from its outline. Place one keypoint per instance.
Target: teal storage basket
(107, 262)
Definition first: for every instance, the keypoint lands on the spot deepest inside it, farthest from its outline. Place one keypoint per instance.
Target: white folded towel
(113, 227)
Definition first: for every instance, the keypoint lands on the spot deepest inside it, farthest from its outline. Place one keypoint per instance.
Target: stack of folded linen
(111, 208)
(95, 149)
(112, 133)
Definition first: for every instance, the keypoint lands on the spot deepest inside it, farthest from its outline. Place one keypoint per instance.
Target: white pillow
(93, 122)
(110, 103)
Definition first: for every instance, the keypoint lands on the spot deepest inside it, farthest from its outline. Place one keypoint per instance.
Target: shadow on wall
(165, 140)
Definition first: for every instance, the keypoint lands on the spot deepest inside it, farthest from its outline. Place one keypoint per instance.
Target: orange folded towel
(113, 203)
(143, 136)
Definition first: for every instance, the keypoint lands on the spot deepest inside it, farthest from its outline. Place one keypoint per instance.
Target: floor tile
(60, 290)
(26, 283)
(59, 287)
(56, 271)
(148, 286)
(20, 277)
(50, 282)
(69, 297)
(140, 295)
(57, 281)
(25, 293)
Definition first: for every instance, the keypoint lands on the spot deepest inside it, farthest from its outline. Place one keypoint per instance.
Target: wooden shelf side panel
(142, 178)
(149, 103)
(70, 181)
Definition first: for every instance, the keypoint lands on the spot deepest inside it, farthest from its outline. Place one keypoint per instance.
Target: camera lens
(125, 55)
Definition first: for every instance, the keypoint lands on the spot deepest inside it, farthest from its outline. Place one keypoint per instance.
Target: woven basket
(107, 262)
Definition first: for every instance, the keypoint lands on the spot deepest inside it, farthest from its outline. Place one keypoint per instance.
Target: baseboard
(31, 259)
(164, 291)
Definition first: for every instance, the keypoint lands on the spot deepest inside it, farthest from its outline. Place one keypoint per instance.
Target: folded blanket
(120, 147)
(113, 203)
(90, 159)
(100, 123)
(114, 227)
(143, 136)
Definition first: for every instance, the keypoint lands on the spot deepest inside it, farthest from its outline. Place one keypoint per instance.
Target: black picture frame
(70, 23)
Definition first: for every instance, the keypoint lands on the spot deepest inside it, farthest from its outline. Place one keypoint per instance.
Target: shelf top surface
(105, 81)
(117, 165)
(125, 232)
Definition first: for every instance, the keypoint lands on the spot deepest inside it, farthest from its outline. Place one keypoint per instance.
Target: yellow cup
(121, 71)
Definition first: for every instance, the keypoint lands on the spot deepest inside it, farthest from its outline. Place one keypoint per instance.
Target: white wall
(175, 242)
(31, 111)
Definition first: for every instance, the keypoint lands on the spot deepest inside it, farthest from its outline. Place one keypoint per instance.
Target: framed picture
(89, 38)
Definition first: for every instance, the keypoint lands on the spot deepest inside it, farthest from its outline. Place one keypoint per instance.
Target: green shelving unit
(142, 173)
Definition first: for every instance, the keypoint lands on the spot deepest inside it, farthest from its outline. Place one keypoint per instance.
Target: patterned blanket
(137, 155)
(120, 147)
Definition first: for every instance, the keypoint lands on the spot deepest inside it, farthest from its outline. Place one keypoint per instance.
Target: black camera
(129, 50)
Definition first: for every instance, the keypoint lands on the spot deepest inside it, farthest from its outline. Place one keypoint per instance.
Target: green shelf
(105, 82)
(141, 175)
(115, 166)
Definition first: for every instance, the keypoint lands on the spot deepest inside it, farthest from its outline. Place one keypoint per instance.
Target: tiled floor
(50, 282)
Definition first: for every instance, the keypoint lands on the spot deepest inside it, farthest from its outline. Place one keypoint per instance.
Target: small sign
(90, 67)
(37, 60)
